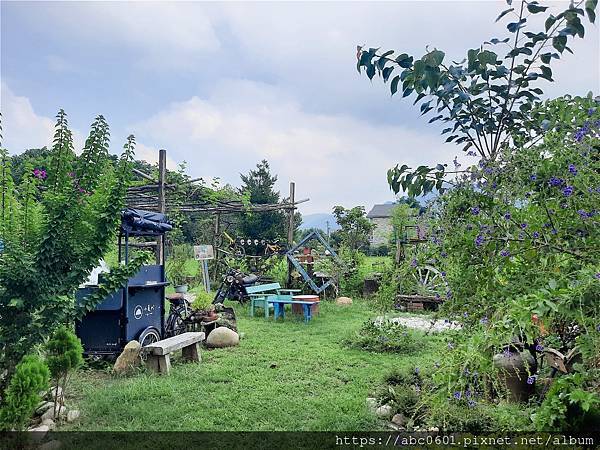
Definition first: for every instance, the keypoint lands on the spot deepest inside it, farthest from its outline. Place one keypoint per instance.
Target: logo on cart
(138, 312)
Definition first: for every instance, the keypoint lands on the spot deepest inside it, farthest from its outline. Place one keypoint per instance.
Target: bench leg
(191, 353)
(266, 306)
(159, 363)
(251, 307)
(307, 311)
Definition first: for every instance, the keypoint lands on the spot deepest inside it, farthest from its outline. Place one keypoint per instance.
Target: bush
(203, 299)
(23, 392)
(386, 336)
(64, 355)
(569, 406)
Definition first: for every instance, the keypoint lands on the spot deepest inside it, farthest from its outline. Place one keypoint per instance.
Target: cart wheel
(149, 336)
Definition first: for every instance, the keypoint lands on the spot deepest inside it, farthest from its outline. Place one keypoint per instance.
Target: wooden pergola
(153, 196)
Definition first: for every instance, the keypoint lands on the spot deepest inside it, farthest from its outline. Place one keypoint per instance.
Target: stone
(222, 337)
(39, 432)
(343, 301)
(73, 415)
(49, 414)
(43, 407)
(49, 423)
(399, 420)
(129, 358)
(372, 404)
(384, 411)
(51, 393)
(51, 445)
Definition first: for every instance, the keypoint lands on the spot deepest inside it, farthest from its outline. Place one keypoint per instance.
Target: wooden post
(215, 241)
(291, 229)
(162, 207)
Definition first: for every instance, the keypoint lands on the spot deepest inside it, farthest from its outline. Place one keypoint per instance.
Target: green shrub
(23, 392)
(569, 406)
(386, 336)
(64, 355)
(203, 299)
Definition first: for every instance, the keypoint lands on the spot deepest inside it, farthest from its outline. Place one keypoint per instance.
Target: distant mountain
(319, 220)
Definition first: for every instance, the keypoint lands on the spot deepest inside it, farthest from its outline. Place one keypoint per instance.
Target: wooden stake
(162, 207)
(291, 228)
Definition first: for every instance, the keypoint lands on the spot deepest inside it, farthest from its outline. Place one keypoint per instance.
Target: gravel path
(422, 323)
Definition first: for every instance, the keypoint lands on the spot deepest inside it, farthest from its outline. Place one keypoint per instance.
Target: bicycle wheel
(175, 323)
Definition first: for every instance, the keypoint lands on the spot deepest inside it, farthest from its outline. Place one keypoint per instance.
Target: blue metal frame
(290, 256)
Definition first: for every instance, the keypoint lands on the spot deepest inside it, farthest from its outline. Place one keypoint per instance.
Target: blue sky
(224, 85)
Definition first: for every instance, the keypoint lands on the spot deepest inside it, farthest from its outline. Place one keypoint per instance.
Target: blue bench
(262, 295)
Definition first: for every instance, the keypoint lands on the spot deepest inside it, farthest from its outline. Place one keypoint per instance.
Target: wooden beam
(290, 236)
(144, 175)
(162, 206)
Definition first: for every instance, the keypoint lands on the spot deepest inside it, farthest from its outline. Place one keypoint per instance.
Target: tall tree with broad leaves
(55, 225)
(489, 98)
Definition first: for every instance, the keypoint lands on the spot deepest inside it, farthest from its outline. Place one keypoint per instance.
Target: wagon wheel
(429, 280)
(148, 336)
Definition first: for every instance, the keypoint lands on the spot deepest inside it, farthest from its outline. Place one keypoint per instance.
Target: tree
(64, 355)
(488, 99)
(355, 228)
(55, 226)
(259, 184)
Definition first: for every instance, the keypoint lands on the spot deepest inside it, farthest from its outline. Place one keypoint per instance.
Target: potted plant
(176, 268)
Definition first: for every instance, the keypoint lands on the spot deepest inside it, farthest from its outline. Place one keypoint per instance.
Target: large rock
(49, 423)
(400, 420)
(372, 404)
(343, 301)
(51, 394)
(43, 407)
(129, 358)
(384, 411)
(73, 415)
(222, 337)
(60, 413)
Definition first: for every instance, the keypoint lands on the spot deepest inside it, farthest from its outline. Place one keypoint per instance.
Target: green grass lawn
(283, 376)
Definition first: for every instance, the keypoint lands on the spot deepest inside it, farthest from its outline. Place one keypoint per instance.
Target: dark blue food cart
(137, 310)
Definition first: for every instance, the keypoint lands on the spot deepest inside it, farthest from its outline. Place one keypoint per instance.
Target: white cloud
(333, 159)
(22, 128)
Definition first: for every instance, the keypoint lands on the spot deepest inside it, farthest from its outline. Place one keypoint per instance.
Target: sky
(224, 85)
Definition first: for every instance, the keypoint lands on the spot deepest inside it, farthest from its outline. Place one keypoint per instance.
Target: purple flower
(583, 213)
(417, 370)
(443, 274)
(591, 111)
(472, 403)
(465, 314)
(533, 177)
(479, 240)
(554, 181)
(449, 294)
(484, 320)
(507, 353)
(468, 391)
(531, 379)
(539, 348)
(40, 174)
(457, 395)
(523, 225)
(414, 262)
(475, 210)
(573, 169)
(568, 191)
(450, 345)
(507, 216)
(443, 254)
(536, 234)
(505, 253)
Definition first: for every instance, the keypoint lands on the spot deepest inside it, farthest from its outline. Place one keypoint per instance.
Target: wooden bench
(264, 294)
(158, 354)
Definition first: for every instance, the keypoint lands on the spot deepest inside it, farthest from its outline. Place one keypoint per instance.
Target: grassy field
(283, 376)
